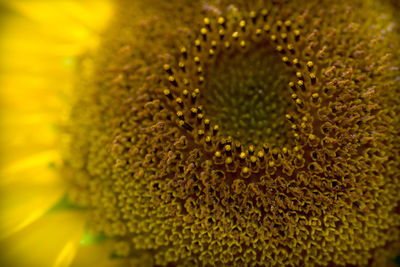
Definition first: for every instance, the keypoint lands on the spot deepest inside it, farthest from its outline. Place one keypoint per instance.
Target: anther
(196, 60)
(229, 162)
(221, 33)
(243, 44)
(260, 156)
(179, 101)
(313, 78)
(296, 35)
(266, 148)
(215, 130)
(273, 38)
(280, 49)
(184, 52)
(207, 23)
(299, 160)
(310, 65)
(182, 66)
(180, 115)
(200, 134)
(242, 157)
(238, 147)
(218, 156)
(286, 61)
(221, 144)
(253, 161)
(290, 47)
(227, 45)
(206, 124)
(251, 150)
(315, 97)
(228, 150)
(185, 93)
(173, 81)
(168, 94)
(199, 118)
(275, 153)
(203, 33)
(271, 164)
(197, 44)
(168, 69)
(193, 112)
(221, 21)
(242, 25)
(253, 17)
(211, 53)
(284, 37)
(279, 25)
(300, 83)
(201, 80)
(235, 36)
(299, 75)
(208, 140)
(245, 172)
(290, 118)
(264, 13)
(288, 24)
(266, 28)
(199, 70)
(296, 63)
(299, 103)
(258, 32)
(194, 97)
(214, 44)
(292, 86)
(304, 126)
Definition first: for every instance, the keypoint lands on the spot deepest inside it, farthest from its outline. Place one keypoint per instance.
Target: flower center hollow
(247, 96)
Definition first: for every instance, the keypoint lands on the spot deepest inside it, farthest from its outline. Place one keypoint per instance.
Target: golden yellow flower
(219, 133)
(40, 42)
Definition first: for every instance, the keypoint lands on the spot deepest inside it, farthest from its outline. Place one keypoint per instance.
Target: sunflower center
(247, 96)
(150, 158)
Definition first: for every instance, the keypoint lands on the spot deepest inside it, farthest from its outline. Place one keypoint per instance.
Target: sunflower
(214, 133)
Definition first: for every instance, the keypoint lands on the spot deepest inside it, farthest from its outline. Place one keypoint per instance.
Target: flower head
(242, 134)
(250, 135)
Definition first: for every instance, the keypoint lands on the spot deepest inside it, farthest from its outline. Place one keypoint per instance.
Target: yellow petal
(30, 165)
(50, 241)
(38, 48)
(28, 188)
(69, 24)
